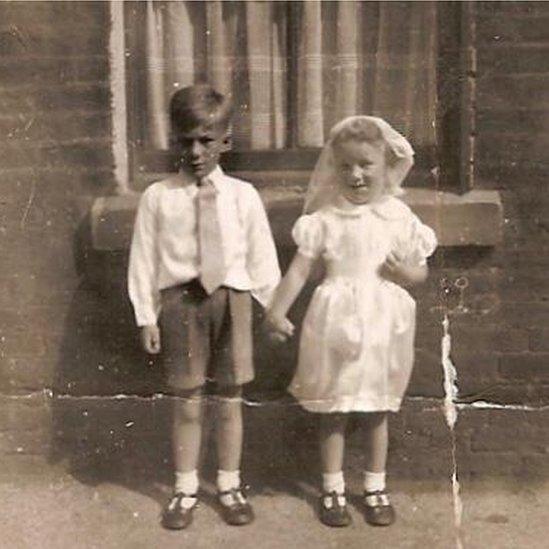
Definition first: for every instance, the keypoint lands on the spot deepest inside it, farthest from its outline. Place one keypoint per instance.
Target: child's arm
(262, 260)
(150, 338)
(142, 268)
(401, 273)
(286, 293)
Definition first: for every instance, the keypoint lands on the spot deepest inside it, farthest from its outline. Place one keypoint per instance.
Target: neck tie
(212, 261)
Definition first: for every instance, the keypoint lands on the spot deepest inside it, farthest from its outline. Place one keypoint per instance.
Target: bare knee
(188, 405)
(229, 402)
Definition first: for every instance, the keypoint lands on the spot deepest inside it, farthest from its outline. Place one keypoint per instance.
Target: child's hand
(279, 329)
(150, 339)
(396, 270)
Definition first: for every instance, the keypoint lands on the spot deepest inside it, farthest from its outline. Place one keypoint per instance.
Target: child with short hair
(357, 340)
(201, 245)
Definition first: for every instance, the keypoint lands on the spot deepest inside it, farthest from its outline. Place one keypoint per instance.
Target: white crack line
(451, 415)
(28, 206)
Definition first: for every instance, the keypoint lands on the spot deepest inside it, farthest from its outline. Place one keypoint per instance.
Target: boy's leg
(229, 436)
(229, 430)
(186, 438)
(187, 429)
(378, 509)
(333, 508)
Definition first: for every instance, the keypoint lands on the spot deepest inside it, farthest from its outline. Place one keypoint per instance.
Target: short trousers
(206, 338)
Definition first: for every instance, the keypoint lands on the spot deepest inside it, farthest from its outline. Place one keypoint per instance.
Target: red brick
(527, 367)
(24, 442)
(525, 315)
(40, 71)
(525, 285)
(517, 59)
(518, 148)
(527, 431)
(25, 412)
(504, 29)
(539, 339)
(87, 97)
(427, 377)
(513, 92)
(510, 119)
(20, 375)
(508, 9)
(58, 155)
(46, 127)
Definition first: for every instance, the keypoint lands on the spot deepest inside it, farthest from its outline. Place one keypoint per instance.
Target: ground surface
(58, 510)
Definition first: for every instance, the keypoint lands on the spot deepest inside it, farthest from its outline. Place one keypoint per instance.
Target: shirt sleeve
(262, 260)
(308, 235)
(143, 263)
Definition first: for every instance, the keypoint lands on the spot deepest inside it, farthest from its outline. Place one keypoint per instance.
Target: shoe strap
(238, 494)
(338, 500)
(178, 498)
(379, 498)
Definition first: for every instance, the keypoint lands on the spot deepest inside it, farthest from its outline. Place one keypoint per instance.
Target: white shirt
(164, 250)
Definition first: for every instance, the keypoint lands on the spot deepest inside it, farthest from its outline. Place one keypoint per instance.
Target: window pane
(292, 68)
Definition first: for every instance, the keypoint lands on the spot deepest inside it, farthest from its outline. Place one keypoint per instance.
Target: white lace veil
(322, 188)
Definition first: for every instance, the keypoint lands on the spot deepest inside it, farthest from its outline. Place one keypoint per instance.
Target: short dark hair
(199, 104)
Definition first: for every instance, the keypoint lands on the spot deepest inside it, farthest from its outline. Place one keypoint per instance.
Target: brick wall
(55, 156)
(67, 325)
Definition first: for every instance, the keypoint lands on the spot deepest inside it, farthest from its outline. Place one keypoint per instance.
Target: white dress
(357, 340)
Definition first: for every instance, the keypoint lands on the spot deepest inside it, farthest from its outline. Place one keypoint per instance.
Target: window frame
(453, 153)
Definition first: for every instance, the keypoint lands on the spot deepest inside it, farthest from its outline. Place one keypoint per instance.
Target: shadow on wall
(111, 418)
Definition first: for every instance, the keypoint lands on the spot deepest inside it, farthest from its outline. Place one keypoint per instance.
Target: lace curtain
(292, 68)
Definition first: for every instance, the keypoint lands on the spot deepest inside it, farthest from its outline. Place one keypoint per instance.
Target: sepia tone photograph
(274, 274)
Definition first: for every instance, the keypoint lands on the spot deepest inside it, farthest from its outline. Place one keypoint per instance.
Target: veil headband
(323, 189)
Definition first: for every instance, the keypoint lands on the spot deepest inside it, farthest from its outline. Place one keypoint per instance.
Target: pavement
(57, 509)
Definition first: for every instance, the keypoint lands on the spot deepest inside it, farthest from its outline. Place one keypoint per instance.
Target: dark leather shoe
(238, 512)
(176, 517)
(378, 510)
(332, 512)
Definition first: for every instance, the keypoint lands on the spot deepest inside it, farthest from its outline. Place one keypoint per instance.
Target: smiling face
(360, 167)
(201, 148)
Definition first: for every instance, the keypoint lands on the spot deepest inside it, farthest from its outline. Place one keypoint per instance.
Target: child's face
(201, 148)
(361, 169)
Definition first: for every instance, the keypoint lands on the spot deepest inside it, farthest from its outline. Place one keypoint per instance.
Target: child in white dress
(356, 349)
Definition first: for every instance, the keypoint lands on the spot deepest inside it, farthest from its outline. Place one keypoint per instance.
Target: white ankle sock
(227, 480)
(186, 482)
(374, 482)
(333, 482)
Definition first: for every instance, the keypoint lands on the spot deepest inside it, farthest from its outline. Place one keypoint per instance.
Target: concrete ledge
(474, 218)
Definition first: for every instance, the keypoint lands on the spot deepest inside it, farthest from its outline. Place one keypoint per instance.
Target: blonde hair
(364, 129)
(399, 157)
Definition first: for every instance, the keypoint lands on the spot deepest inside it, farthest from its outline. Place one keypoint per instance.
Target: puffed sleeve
(422, 242)
(308, 234)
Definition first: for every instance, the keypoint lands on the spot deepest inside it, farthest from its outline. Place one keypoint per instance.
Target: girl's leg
(333, 508)
(332, 442)
(377, 441)
(378, 509)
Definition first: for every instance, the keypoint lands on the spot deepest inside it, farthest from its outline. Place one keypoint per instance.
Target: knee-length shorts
(206, 338)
